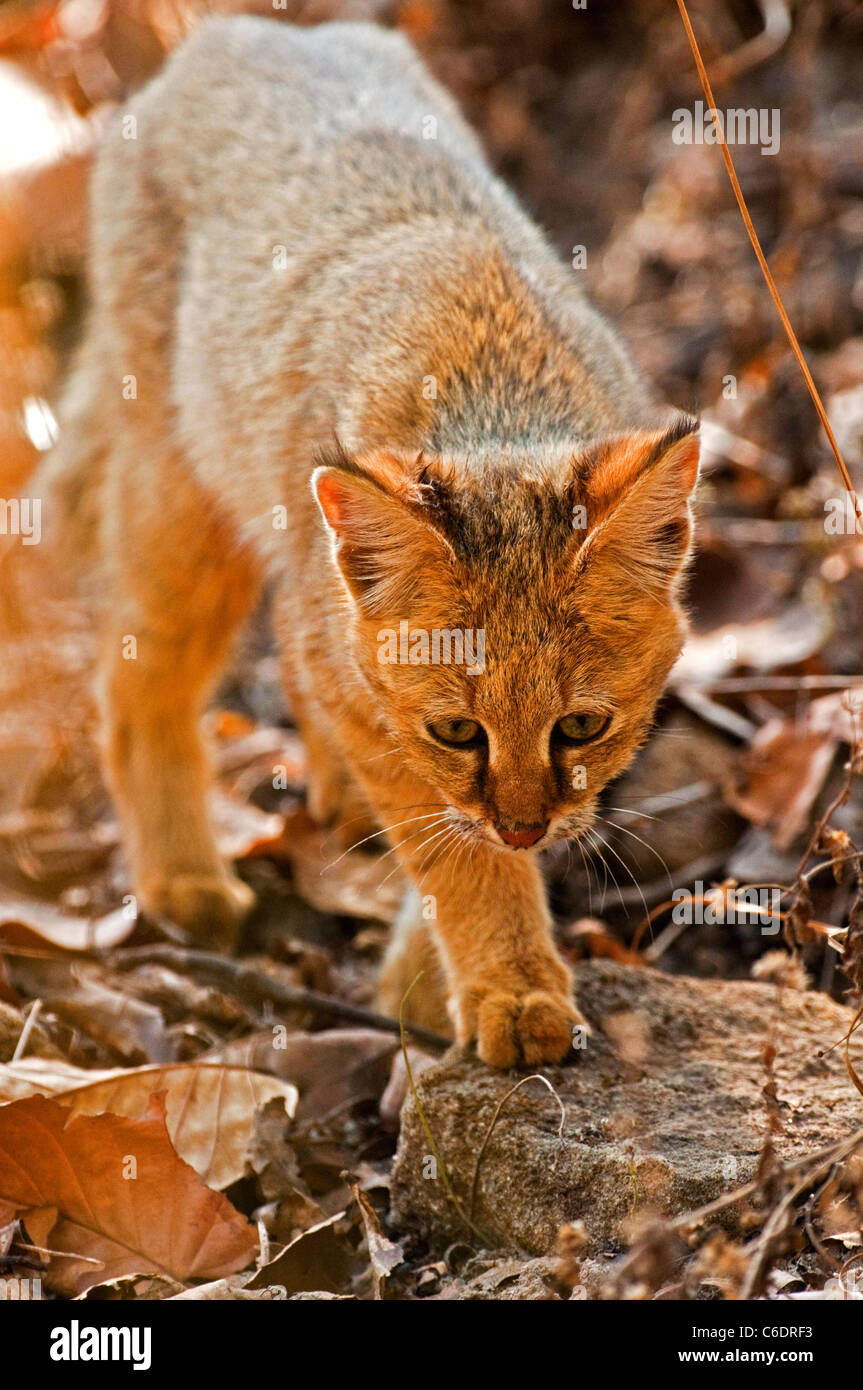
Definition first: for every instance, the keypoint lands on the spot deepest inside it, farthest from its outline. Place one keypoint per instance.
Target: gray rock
(664, 1111)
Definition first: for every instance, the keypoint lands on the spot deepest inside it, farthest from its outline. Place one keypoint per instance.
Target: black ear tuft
(681, 427)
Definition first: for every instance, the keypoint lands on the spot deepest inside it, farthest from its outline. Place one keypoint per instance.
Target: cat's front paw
(210, 908)
(508, 1028)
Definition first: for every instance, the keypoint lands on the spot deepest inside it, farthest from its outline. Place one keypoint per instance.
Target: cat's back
(246, 99)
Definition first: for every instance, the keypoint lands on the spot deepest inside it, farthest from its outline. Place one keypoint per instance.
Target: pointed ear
(385, 538)
(635, 493)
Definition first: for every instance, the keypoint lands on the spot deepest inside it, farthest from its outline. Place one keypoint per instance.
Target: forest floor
(750, 780)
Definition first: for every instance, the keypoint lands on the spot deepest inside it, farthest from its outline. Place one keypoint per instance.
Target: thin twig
(777, 27)
(243, 980)
(762, 260)
(426, 1128)
(29, 1024)
(494, 1119)
(810, 1166)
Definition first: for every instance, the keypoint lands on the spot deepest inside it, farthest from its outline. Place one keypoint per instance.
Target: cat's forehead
(496, 514)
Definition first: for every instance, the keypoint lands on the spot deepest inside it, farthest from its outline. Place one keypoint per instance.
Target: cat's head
(516, 621)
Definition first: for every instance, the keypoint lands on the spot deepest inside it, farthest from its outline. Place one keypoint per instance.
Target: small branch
(242, 979)
(777, 28)
(810, 1167)
(732, 685)
(728, 720)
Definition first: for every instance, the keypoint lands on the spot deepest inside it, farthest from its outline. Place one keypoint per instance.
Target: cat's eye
(582, 728)
(458, 732)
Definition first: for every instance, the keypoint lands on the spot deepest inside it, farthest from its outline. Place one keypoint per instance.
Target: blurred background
(575, 109)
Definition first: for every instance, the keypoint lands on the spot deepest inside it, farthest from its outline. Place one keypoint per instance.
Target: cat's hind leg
(177, 585)
(412, 967)
(335, 801)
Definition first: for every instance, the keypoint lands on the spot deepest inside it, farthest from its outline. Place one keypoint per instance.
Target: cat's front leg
(508, 990)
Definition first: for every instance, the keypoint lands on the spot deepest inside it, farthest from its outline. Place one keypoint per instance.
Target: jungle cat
(327, 352)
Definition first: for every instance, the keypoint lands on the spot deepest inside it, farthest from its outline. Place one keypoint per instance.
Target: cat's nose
(521, 836)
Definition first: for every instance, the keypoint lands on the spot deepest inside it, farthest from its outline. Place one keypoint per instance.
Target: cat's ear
(385, 540)
(633, 496)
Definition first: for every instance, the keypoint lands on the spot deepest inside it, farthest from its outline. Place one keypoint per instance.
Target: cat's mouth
(521, 836)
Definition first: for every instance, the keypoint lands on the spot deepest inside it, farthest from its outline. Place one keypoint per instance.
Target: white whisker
(426, 830)
(453, 832)
(588, 873)
(374, 758)
(648, 847)
(387, 828)
(627, 870)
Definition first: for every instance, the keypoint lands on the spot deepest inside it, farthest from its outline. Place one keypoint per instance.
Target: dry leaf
(210, 1109)
(385, 1255)
(78, 993)
(317, 1260)
(330, 1069)
(35, 1076)
(591, 935)
(28, 923)
(248, 754)
(355, 884)
(779, 777)
(109, 1189)
(760, 645)
(243, 831)
(231, 1290)
(133, 1287)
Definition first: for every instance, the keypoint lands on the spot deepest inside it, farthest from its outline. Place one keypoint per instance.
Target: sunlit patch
(36, 128)
(38, 423)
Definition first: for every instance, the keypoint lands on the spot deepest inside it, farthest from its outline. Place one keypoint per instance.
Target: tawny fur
(300, 281)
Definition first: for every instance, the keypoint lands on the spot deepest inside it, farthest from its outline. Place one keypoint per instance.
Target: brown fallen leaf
(589, 936)
(272, 1158)
(87, 997)
(242, 830)
(151, 1287)
(385, 1255)
(839, 714)
(762, 644)
(35, 1076)
(247, 754)
(319, 1259)
(294, 1213)
(779, 776)
(112, 1190)
(354, 884)
(210, 1109)
(330, 1069)
(231, 1290)
(27, 923)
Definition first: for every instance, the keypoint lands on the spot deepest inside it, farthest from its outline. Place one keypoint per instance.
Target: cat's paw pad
(508, 1029)
(210, 907)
